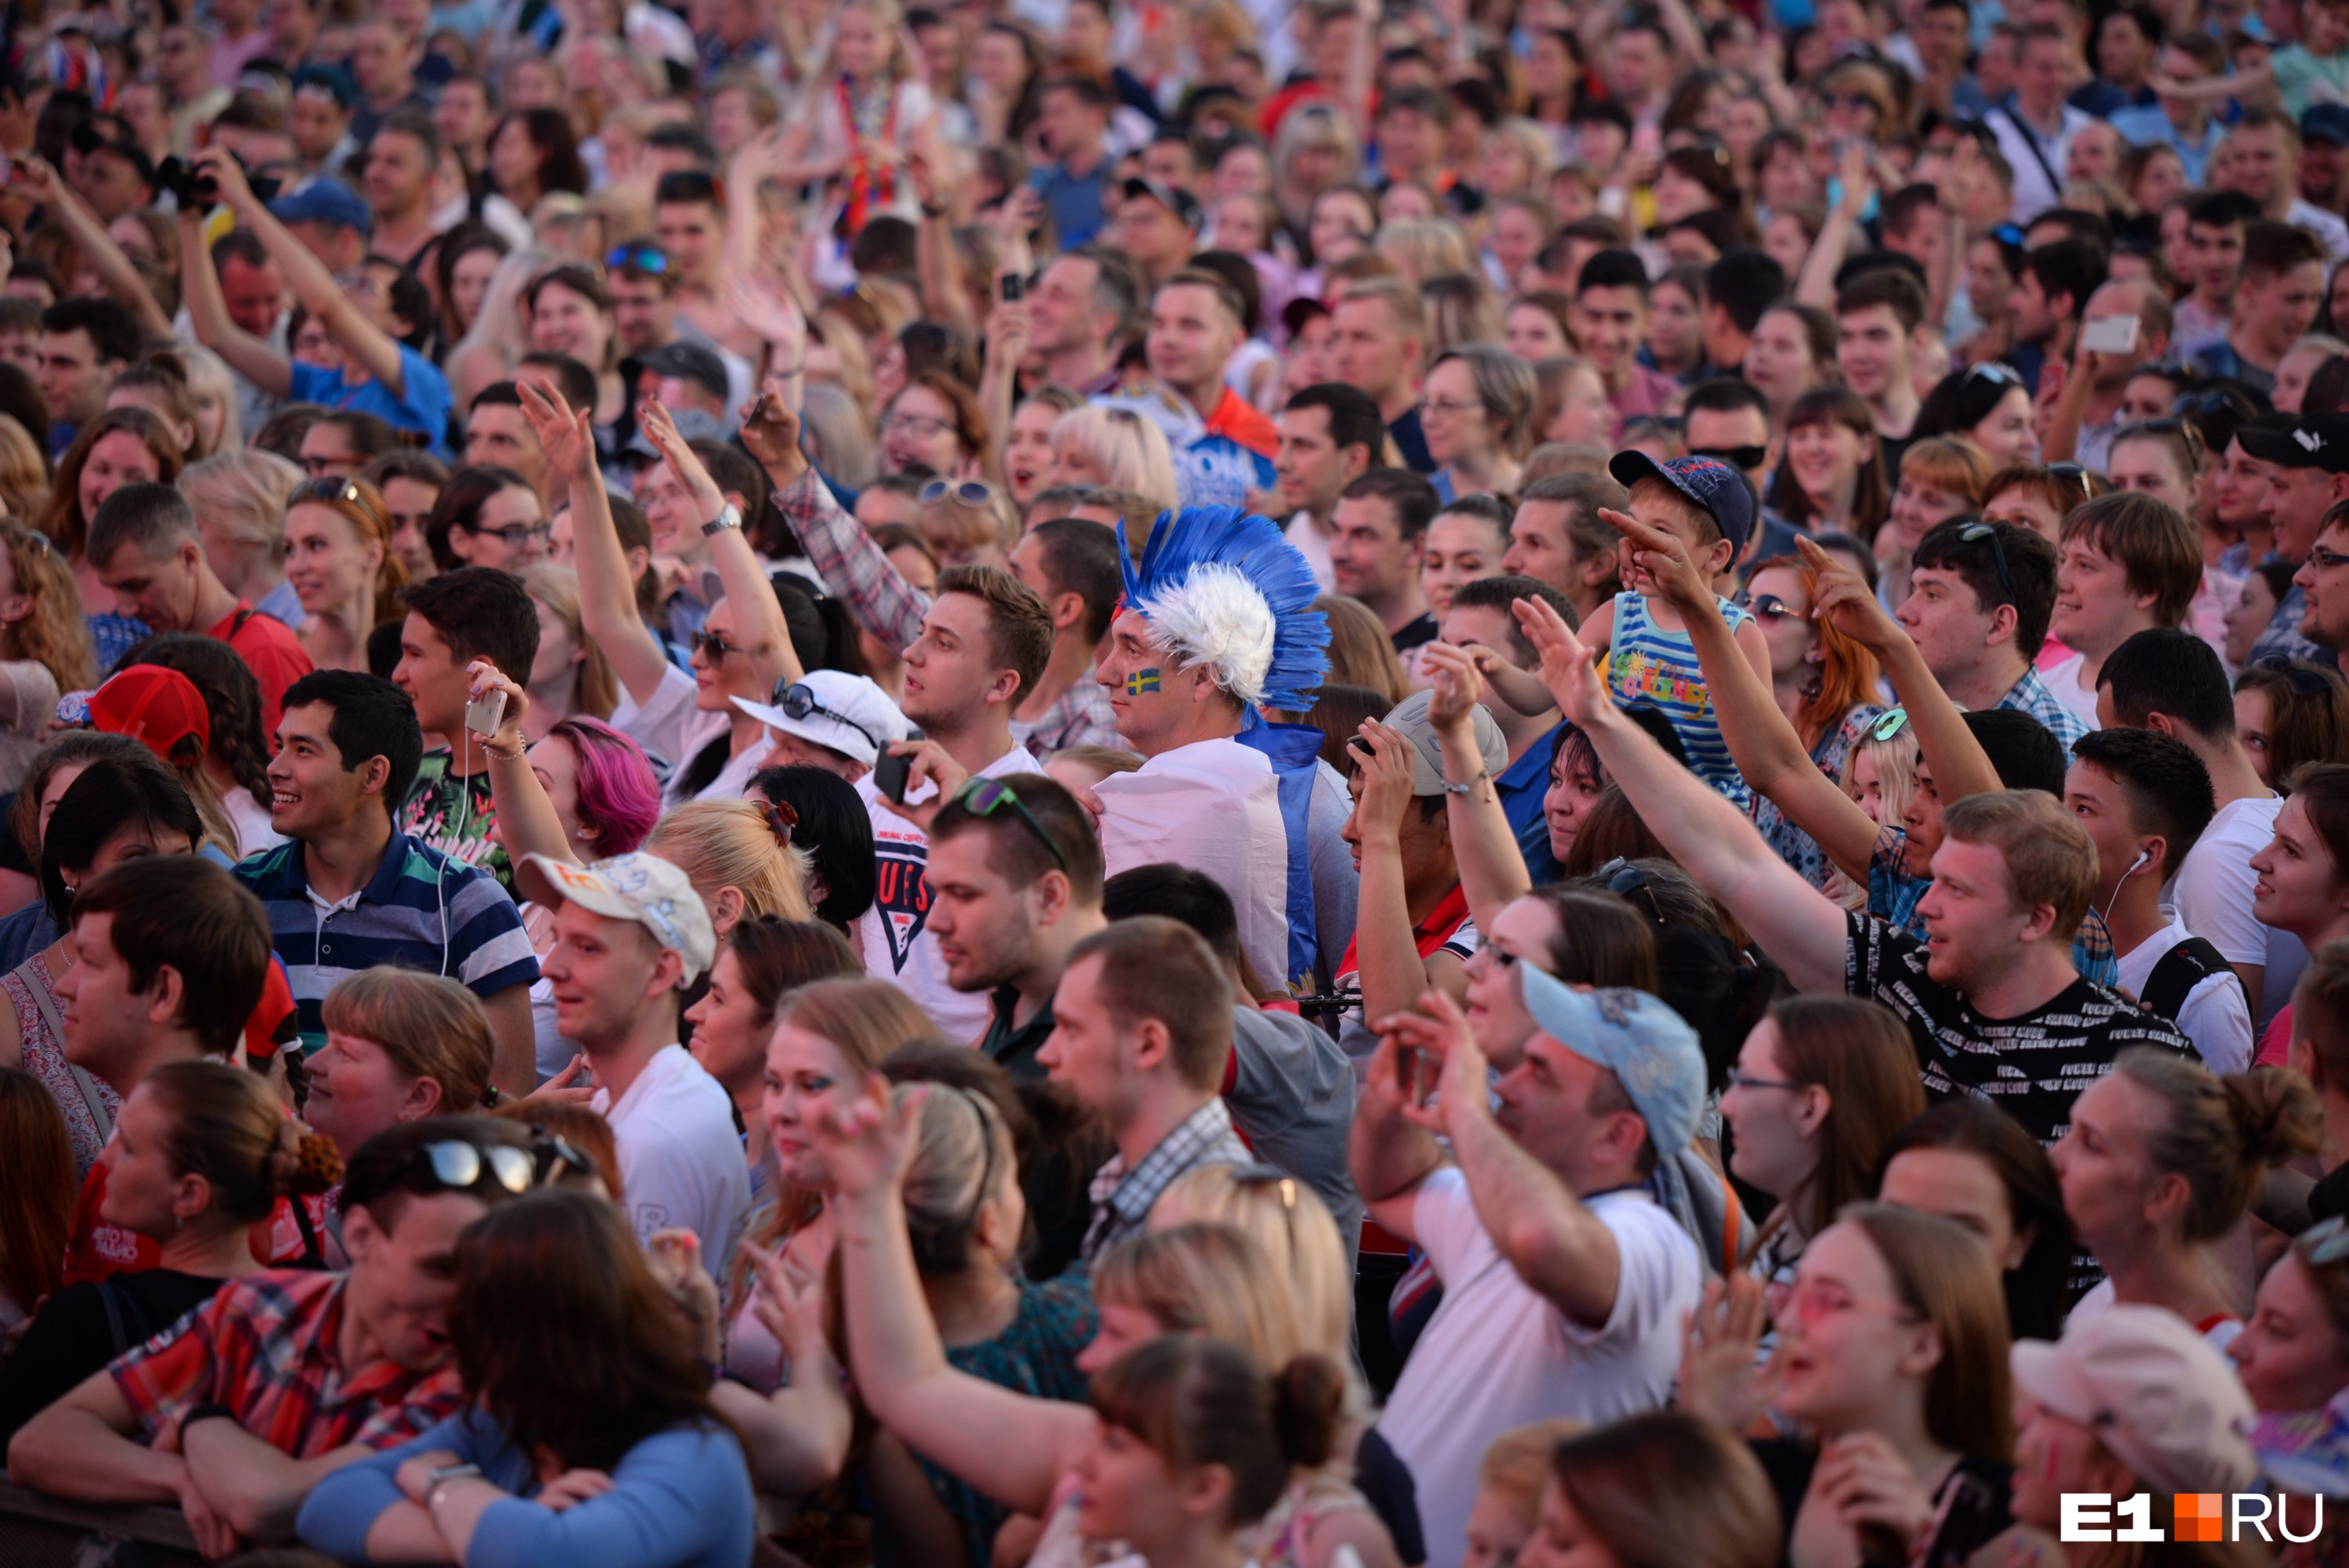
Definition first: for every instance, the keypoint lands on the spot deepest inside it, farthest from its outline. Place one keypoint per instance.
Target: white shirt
(2213, 897)
(2331, 231)
(250, 818)
(2063, 680)
(680, 1158)
(1496, 1354)
(668, 725)
(2213, 1016)
(893, 933)
(1314, 545)
(2025, 149)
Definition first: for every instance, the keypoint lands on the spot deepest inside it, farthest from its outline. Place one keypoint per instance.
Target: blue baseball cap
(2326, 122)
(1711, 483)
(1633, 1036)
(325, 202)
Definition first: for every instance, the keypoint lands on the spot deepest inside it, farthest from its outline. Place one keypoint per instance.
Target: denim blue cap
(1633, 1036)
(325, 202)
(1711, 483)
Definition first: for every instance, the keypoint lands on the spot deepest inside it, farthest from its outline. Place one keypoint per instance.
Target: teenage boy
(2049, 295)
(1379, 334)
(2127, 563)
(1197, 324)
(2214, 238)
(2281, 287)
(348, 891)
(1330, 435)
(1879, 331)
(2143, 800)
(1141, 1036)
(1379, 532)
(2171, 682)
(2307, 461)
(288, 1375)
(1610, 322)
(145, 547)
(630, 933)
(1073, 567)
(472, 612)
(1993, 1002)
(1978, 607)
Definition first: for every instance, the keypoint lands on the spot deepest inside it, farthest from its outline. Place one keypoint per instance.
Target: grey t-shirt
(1292, 1098)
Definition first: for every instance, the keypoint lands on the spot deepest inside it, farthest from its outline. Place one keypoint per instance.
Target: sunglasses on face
(1735, 457)
(985, 796)
(1765, 607)
(713, 646)
(515, 535)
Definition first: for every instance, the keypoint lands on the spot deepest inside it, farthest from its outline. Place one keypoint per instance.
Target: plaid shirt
(268, 1347)
(2030, 695)
(1122, 1201)
(850, 564)
(1079, 716)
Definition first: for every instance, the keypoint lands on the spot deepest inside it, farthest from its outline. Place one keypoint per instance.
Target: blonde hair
(1361, 652)
(1423, 248)
(1207, 1278)
(209, 380)
(1533, 144)
(720, 844)
(1128, 451)
(1896, 770)
(24, 472)
(2049, 859)
(594, 691)
(1290, 1222)
(53, 632)
(1516, 1464)
(430, 1026)
(1951, 463)
(242, 496)
(948, 525)
(361, 505)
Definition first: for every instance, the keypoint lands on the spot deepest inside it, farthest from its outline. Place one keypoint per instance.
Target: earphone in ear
(2138, 864)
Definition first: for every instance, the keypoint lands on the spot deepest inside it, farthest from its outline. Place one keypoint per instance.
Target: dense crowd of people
(1281, 782)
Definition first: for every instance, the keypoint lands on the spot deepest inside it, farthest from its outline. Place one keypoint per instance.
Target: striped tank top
(1648, 666)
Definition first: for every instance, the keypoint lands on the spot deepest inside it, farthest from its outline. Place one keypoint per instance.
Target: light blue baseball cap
(1635, 1037)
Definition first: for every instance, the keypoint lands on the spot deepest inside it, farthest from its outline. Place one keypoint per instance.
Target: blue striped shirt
(420, 911)
(1648, 666)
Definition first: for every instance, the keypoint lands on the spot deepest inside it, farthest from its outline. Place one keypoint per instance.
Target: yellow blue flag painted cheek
(1141, 681)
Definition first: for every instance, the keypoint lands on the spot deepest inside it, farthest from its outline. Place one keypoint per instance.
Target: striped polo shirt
(420, 911)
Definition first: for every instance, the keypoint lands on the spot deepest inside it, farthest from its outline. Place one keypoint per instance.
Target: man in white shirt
(2143, 798)
(2172, 683)
(2127, 564)
(2034, 126)
(630, 933)
(1576, 1312)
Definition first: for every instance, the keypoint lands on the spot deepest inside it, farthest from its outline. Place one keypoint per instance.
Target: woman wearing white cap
(2131, 1401)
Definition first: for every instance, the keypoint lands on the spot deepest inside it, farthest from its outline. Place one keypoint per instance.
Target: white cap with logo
(645, 889)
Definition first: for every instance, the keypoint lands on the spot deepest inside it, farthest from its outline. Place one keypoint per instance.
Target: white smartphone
(2111, 335)
(485, 713)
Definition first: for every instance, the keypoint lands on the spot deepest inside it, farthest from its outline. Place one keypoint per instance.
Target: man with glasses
(2307, 460)
(145, 547)
(472, 612)
(630, 935)
(2322, 581)
(288, 1375)
(644, 296)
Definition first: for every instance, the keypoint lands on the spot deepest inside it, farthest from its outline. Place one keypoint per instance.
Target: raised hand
(770, 433)
(1566, 668)
(566, 435)
(1719, 1343)
(928, 763)
(1843, 599)
(653, 418)
(227, 174)
(868, 1139)
(1458, 682)
(1662, 560)
(564, 1087)
(1387, 768)
(484, 677)
(1439, 1032)
(789, 1301)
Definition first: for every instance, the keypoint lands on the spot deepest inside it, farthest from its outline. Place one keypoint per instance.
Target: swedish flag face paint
(1141, 681)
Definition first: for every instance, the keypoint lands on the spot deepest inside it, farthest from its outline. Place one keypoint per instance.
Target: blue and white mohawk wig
(1223, 589)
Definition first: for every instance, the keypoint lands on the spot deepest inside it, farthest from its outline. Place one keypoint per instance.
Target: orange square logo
(2197, 1516)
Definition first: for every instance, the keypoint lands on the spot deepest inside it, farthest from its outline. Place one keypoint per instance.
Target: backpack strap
(2182, 969)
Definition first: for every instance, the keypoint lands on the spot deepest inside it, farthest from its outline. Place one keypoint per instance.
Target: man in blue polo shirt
(349, 893)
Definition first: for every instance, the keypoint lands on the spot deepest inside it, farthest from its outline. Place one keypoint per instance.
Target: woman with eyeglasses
(203, 1153)
(934, 421)
(1821, 1086)
(339, 559)
(2289, 712)
(1891, 1361)
(2162, 1160)
(1825, 684)
(1833, 474)
(587, 1435)
(1477, 405)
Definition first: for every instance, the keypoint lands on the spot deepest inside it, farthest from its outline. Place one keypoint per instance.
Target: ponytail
(227, 1126)
(2222, 1134)
(1308, 1398)
(1196, 1401)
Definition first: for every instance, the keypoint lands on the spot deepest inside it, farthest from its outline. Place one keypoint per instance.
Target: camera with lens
(190, 187)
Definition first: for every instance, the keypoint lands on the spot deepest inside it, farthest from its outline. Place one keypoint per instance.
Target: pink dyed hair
(618, 796)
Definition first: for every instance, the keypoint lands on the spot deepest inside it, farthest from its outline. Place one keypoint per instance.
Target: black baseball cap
(2298, 441)
(1182, 204)
(689, 362)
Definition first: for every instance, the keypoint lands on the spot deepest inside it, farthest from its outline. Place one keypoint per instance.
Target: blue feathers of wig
(1222, 588)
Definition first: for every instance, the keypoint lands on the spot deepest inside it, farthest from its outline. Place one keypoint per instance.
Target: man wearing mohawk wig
(1218, 622)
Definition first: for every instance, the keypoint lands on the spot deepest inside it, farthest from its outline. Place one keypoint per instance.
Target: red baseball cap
(158, 707)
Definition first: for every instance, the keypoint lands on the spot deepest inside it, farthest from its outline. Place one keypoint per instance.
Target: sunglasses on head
(461, 1165)
(984, 796)
(1978, 530)
(325, 489)
(2305, 679)
(638, 258)
(2327, 1242)
(799, 701)
(1625, 880)
(1997, 372)
(1887, 724)
(2070, 472)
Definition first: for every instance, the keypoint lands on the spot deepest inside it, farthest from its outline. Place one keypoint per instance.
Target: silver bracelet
(1452, 788)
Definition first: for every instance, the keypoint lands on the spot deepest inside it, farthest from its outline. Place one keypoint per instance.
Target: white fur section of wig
(1215, 617)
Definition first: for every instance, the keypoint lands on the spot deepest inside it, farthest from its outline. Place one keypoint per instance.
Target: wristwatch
(729, 516)
(434, 1479)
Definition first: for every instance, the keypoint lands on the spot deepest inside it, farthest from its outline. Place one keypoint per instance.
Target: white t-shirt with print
(892, 933)
(680, 1159)
(1497, 1355)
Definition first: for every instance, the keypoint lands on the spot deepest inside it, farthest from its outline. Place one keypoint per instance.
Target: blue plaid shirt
(2030, 695)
